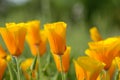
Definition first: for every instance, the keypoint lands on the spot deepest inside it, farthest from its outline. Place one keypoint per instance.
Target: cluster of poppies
(101, 61)
(14, 36)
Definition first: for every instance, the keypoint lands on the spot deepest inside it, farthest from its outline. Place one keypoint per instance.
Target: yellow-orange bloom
(33, 28)
(3, 66)
(41, 45)
(65, 60)
(105, 50)
(14, 36)
(56, 33)
(95, 35)
(2, 52)
(87, 68)
(25, 65)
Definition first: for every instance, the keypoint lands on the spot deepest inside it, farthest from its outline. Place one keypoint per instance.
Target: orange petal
(33, 28)
(56, 34)
(65, 60)
(95, 35)
(41, 46)
(25, 65)
(9, 39)
(2, 52)
(3, 66)
(18, 31)
(89, 68)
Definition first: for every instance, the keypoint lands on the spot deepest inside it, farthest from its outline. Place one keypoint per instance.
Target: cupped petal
(95, 35)
(33, 28)
(9, 39)
(18, 31)
(41, 46)
(88, 67)
(105, 50)
(3, 66)
(65, 60)
(2, 52)
(56, 34)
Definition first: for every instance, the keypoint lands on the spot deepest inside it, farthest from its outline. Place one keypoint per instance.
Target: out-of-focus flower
(95, 35)
(87, 68)
(25, 65)
(33, 31)
(14, 36)
(56, 33)
(3, 66)
(65, 60)
(4, 55)
(2, 52)
(3, 63)
(41, 45)
(105, 50)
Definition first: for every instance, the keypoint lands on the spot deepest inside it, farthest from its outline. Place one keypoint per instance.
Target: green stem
(18, 69)
(33, 66)
(118, 75)
(10, 71)
(47, 64)
(104, 75)
(39, 63)
(62, 73)
(39, 67)
(31, 75)
(65, 76)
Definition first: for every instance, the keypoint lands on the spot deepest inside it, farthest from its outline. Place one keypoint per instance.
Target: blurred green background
(80, 16)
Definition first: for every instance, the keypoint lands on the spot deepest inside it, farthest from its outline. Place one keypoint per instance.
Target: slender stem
(18, 69)
(10, 71)
(39, 67)
(104, 75)
(62, 73)
(33, 66)
(48, 62)
(65, 76)
(39, 64)
(117, 75)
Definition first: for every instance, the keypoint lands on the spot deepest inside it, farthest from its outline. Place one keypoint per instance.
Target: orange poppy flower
(65, 60)
(3, 66)
(95, 35)
(14, 36)
(41, 46)
(3, 63)
(25, 65)
(33, 28)
(2, 52)
(56, 33)
(105, 50)
(87, 68)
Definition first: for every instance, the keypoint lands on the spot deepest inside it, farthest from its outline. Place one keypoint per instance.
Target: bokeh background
(80, 16)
